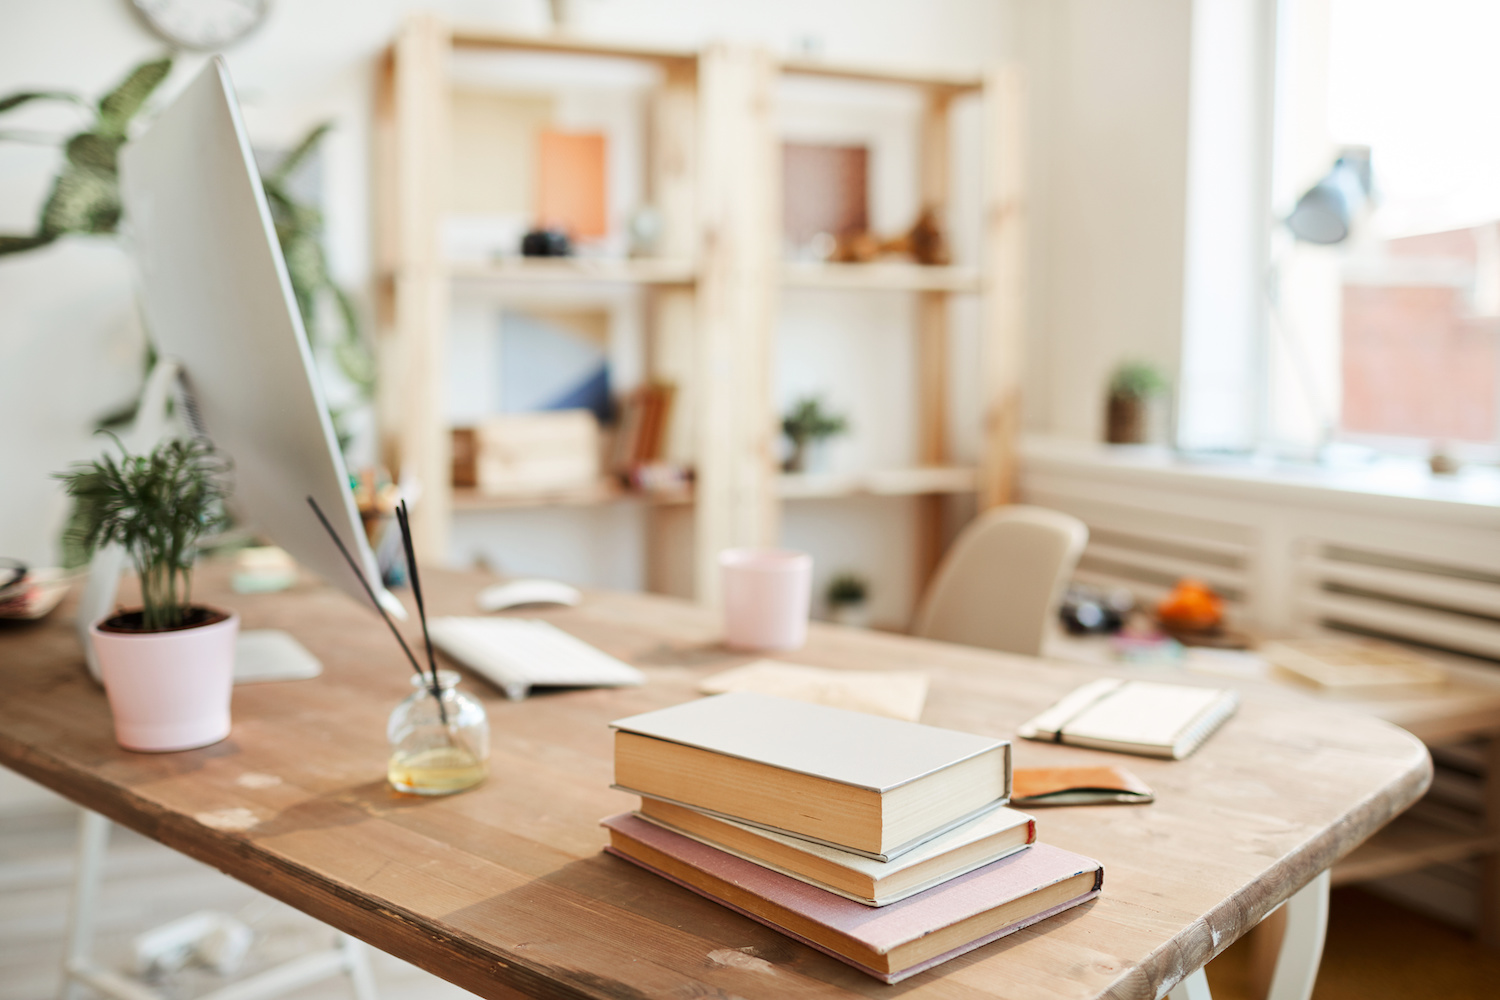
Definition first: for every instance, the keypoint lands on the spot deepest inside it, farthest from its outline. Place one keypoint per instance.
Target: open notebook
(1141, 717)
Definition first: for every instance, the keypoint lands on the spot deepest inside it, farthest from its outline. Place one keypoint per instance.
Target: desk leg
(93, 841)
(1194, 987)
(1489, 877)
(1302, 943)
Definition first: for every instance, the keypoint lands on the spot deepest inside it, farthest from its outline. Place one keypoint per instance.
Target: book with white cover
(1140, 717)
(859, 782)
(990, 837)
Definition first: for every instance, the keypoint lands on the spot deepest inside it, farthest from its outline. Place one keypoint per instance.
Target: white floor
(146, 885)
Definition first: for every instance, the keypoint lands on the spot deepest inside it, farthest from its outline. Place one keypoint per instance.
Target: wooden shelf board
(605, 491)
(917, 481)
(881, 275)
(561, 270)
(1408, 844)
(563, 44)
(936, 79)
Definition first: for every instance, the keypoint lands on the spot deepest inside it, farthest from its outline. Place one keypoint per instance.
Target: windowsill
(1386, 481)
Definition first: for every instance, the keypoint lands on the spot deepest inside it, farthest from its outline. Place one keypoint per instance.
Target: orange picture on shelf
(571, 182)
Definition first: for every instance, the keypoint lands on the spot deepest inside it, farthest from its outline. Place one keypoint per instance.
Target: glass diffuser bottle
(434, 755)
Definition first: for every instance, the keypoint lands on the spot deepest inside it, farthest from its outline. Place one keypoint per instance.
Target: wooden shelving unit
(711, 298)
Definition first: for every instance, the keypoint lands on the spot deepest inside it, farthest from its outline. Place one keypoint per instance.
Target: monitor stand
(259, 654)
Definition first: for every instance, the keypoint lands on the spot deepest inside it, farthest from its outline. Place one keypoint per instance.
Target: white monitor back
(217, 299)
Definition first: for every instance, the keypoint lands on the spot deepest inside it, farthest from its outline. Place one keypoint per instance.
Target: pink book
(890, 942)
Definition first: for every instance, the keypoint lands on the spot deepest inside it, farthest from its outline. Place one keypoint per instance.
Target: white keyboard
(518, 654)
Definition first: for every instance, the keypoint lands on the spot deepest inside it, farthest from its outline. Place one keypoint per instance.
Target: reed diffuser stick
(403, 518)
(359, 574)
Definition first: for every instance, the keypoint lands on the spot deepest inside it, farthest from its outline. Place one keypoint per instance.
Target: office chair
(1000, 583)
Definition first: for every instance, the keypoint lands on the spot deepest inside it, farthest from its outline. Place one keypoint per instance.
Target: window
(1392, 337)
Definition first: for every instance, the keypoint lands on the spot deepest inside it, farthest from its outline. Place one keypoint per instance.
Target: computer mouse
(518, 592)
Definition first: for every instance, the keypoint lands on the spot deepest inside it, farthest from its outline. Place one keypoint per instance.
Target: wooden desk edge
(466, 962)
(1204, 940)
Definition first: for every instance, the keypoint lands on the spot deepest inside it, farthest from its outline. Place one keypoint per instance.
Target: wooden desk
(504, 891)
(1468, 706)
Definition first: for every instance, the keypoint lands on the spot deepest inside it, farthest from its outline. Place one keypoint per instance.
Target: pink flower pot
(169, 690)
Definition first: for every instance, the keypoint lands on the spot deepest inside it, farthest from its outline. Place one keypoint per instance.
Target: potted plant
(848, 596)
(168, 666)
(805, 424)
(1135, 388)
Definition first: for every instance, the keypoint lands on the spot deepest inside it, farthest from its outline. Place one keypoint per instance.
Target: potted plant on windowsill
(168, 666)
(1137, 390)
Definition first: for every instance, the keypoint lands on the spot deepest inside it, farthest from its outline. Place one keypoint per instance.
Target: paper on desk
(899, 694)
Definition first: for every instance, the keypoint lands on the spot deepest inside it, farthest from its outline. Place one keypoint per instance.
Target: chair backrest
(1000, 583)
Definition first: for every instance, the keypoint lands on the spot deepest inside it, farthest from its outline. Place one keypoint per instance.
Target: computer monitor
(218, 304)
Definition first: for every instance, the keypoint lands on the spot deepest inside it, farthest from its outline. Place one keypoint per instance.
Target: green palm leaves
(157, 506)
(85, 197)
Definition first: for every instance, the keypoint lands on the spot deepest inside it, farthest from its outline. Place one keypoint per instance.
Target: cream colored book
(1353, 667)
(858, 782)
(992, 836)
(1140, 717)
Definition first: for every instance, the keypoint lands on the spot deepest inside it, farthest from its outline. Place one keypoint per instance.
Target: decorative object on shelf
(924, 242)
(848, 600)
(767, 598)
(825, 194)
(168, 668)
(522, 454)
(572, 176)
(546, 243)
(641, 435)
(203, 25)
(807, 423)
(1135, 389)
(426, 758)
(645, 229)
(465, 458)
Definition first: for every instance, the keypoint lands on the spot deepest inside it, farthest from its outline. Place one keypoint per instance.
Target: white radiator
(1307, 553)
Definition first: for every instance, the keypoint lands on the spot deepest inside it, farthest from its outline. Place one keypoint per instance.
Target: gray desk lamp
(1325, 213)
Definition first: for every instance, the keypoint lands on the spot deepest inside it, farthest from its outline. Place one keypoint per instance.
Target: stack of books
(884, 843)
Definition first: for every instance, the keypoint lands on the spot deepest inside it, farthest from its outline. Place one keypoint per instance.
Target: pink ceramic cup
(767, 596)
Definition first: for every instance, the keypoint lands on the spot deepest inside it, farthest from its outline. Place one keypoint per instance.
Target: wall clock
(206, 25)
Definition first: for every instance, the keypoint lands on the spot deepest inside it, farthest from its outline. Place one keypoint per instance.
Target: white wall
(1109, 83)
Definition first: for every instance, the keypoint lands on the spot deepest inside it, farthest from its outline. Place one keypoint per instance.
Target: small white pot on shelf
(853, 615)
